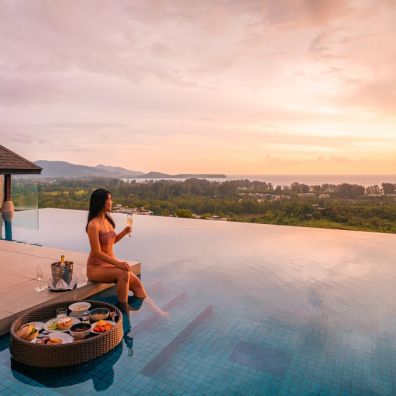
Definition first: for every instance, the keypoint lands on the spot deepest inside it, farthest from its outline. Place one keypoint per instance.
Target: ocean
(363, 180)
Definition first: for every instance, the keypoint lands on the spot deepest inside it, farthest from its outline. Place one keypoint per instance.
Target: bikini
(106, 240)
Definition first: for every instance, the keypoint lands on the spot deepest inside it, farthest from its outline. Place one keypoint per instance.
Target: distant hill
(154, 175)
(66, 169)
(69, 170)
(117, 171)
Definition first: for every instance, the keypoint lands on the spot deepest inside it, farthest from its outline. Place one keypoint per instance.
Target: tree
(304, 189)
(350, 191)
(184, 213)
(388, 188)
(373, 190)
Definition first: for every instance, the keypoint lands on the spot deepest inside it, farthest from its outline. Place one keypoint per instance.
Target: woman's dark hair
(97, 204)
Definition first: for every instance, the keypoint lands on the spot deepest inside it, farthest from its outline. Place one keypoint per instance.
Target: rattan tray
(39, 355)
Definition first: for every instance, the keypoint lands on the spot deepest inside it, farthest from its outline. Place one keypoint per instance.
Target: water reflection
(26, 219)
(109, 296)
(7, 229)
(99, 370)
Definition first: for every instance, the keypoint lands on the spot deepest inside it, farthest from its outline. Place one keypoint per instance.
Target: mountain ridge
(52, 169)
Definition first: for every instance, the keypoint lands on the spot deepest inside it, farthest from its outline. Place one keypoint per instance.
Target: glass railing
(25, 199)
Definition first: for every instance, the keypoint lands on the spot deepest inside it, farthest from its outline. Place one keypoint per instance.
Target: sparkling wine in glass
(39, 277)
(129, 223)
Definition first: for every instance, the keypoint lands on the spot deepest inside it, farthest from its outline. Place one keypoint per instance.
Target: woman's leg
(136, 286)
(110, 275)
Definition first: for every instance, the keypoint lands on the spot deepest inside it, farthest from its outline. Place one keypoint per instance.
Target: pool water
(254, 310)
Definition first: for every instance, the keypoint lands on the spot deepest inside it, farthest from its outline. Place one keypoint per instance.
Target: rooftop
(12, 163)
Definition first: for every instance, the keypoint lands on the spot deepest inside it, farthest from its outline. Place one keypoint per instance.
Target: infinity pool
(254, 310)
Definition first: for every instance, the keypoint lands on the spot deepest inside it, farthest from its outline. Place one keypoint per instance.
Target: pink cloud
(176, 72)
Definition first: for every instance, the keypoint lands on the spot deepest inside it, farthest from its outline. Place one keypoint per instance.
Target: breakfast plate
(52, 324)
(57, 335)
(103, 325)
(38, 325)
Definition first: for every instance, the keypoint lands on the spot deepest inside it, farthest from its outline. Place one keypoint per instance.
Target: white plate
(97, 332)
(67, 338)
(73, 307)
(74, 321)
(38, 325)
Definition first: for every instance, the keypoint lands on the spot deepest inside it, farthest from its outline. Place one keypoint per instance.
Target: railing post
(7, 208)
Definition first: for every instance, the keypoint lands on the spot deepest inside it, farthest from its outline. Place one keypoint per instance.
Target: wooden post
(7, 188)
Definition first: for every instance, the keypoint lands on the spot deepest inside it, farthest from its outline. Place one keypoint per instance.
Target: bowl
(99, 314)
(80, 330)
(79, 307)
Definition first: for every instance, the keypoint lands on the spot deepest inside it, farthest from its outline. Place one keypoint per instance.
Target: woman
(102, 265)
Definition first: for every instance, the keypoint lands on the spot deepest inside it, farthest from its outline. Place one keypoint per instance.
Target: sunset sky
(258, 87)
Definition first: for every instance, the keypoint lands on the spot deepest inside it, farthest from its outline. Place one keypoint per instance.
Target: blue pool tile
(265, 359)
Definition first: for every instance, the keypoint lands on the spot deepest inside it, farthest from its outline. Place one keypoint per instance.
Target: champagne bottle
(62, 260)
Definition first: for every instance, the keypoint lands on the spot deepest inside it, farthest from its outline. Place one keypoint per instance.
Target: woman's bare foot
(154, 307)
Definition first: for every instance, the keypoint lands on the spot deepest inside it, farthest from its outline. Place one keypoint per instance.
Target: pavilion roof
(12, 163)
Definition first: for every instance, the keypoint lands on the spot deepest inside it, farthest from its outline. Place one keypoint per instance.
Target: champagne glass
(39, 277)
(129, 223)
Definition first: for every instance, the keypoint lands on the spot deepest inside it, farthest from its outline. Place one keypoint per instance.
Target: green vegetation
(345, 206)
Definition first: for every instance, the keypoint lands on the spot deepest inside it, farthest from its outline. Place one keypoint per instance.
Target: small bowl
(80, 330)
(79, 307)
(99, 314)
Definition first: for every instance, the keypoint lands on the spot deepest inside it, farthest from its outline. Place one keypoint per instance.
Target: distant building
(145, 212)
(306, 195)
(216, 217)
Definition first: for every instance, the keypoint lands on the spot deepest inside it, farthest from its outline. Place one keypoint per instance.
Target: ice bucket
(60, 271)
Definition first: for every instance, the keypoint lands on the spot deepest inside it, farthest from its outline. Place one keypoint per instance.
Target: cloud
(293, 77)
(378, 95)
(25, 89)
(305, 12)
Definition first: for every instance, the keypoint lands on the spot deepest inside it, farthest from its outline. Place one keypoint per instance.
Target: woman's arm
(93, 235)
(121, 235)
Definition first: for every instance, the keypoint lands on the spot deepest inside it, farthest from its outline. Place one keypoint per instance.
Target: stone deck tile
(11, 280)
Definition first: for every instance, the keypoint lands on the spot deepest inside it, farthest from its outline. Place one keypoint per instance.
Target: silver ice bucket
(64, 272)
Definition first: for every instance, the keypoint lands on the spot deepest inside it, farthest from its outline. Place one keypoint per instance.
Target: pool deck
(18, 262)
